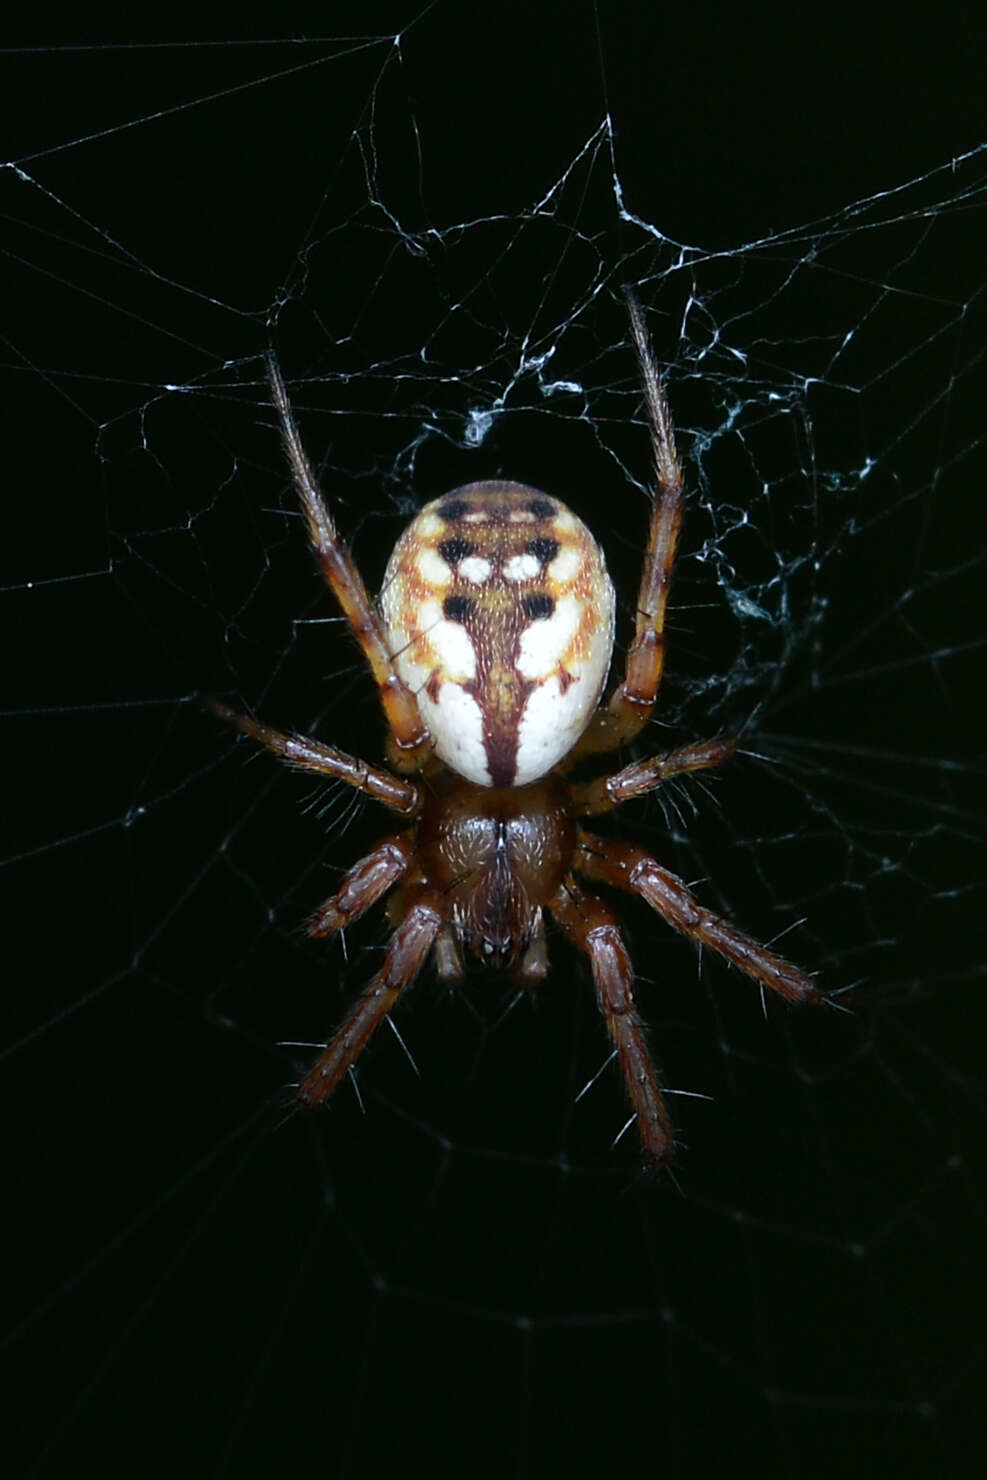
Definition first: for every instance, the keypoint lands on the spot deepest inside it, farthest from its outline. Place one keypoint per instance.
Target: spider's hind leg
(592, 926)
(629, 867)
(410, 944)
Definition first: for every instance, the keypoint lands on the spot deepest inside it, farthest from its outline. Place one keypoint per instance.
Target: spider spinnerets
(490, 648)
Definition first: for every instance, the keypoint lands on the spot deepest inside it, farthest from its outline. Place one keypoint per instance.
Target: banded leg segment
(630, 868)
(591, 925)
(630, 705)
(365, 883)
(394, 791)
(604, 793)
(411, 736)
(409, 947)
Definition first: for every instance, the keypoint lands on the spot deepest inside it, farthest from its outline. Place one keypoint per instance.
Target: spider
(490, 647)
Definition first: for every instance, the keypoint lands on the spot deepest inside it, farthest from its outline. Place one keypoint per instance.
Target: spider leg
(603, 793)
(410, 945)
(449, 965)
(630, 868)
(394, 791)
(592, 926)
(632, 701)
(411, 737)
(365, 883)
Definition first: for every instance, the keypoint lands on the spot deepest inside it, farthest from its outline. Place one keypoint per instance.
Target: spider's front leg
(423, 918)
(412, 741)
(631, 868)
(592, 926)
(631, 704)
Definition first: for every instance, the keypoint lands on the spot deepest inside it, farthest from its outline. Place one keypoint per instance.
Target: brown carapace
(490, 648)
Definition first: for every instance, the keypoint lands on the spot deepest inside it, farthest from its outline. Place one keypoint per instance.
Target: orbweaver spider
(490, 648)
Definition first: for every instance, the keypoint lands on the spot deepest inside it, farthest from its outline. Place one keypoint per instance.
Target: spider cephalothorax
(490, 649)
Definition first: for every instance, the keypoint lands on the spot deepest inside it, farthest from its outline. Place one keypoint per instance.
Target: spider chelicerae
(490, 647)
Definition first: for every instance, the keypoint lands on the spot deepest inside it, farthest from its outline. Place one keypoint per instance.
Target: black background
(464, 1277)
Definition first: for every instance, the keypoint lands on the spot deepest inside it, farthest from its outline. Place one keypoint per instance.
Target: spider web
(204, 1280)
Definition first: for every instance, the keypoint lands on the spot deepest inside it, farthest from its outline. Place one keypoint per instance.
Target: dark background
(463, 1276)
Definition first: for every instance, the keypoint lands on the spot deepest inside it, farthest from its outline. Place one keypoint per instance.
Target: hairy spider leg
(628, 867)
(592, 926)
(411, 738)
(363, 885)
(603, 793)
(421, 921)
(631, 704)
(396, 792)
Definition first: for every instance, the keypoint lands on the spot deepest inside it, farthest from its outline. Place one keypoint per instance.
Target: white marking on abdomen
(544, 643)
(475, 569)
(432, 568)
(457, 724)
(565, 567)
(551, 724)
(454, 651)
(521, 568)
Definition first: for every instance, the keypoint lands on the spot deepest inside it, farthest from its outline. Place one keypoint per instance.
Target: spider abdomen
(499, 614)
